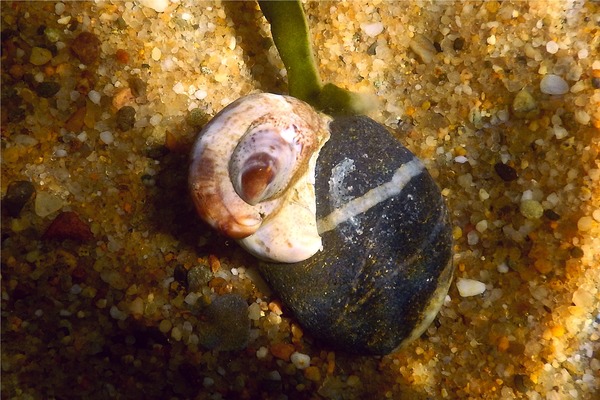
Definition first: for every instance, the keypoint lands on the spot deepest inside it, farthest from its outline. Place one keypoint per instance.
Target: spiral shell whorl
(252, 175)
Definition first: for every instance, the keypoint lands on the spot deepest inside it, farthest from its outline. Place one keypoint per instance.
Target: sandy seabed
(106, 271)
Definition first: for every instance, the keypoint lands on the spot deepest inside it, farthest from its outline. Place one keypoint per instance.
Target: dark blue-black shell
(382, 276)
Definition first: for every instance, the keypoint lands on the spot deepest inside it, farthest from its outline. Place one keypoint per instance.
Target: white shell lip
(282, 228)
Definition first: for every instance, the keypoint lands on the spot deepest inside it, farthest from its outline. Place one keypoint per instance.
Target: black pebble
(18, 194)
(551, 215)
(458, 44)
(366, 291)
(125, 118)
(596, 83)
(577, 252)
(180, 274)
(506, 172)
(47, 89)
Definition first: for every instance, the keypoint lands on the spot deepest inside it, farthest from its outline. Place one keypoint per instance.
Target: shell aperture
(251, 175)
(265, 160)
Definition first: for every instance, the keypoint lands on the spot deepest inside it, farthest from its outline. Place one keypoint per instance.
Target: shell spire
(252, 175)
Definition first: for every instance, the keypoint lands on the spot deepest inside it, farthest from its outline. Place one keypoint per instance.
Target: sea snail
(351, 231)
(252, 175)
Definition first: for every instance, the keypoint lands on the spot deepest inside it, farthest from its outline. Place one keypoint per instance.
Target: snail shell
(252, 175)
(374, 263)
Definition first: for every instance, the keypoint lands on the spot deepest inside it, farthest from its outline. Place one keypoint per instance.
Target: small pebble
(283, 351)
(483, 194)
(136, 307)
(523, 102)
(312, 374)
(47, 89)
(582, 117)
(226, 324)
(53, 35)
(472, 238)
(68, 225)
(138, 86)
(86, 46)
(40, 56)
(274, 376)
(423, 47)
(155, 119)
(531, 209)
(481, 226)
(254, 311)
(115, 313)
(107, 137)
(17, 195)
(596, 82)
(551, 215)
(59, 8)
(554, 84)
(156, 5)
(560, 132)
(582, 54)
(262, 352)
(165, 326)
(583, 298)
(121, 23)
(46, 204)
(577, 252)
(156, 54)
(502, 268)
(596, 215)
(180, 275)
(506, 172)
(94, 96)
(122, 98)
(122, 56)
(176, 334)
(552, 47)
(372, 29)
(458, 44)
(125, 118)
(200, 94)
(469, 287)
(191, 298)
(76, 120)
(300, 360)
(585, 223)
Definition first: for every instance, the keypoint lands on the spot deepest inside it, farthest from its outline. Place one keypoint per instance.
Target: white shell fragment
(469, 287)
(252, 175)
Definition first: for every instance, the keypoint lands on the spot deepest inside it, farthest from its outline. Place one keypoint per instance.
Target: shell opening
(263, 163)
(256, 178)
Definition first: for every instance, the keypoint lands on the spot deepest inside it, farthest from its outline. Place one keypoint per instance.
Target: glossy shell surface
(386, 265)
(251, 175)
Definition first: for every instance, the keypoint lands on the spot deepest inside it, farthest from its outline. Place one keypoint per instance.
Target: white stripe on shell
(364, 203)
